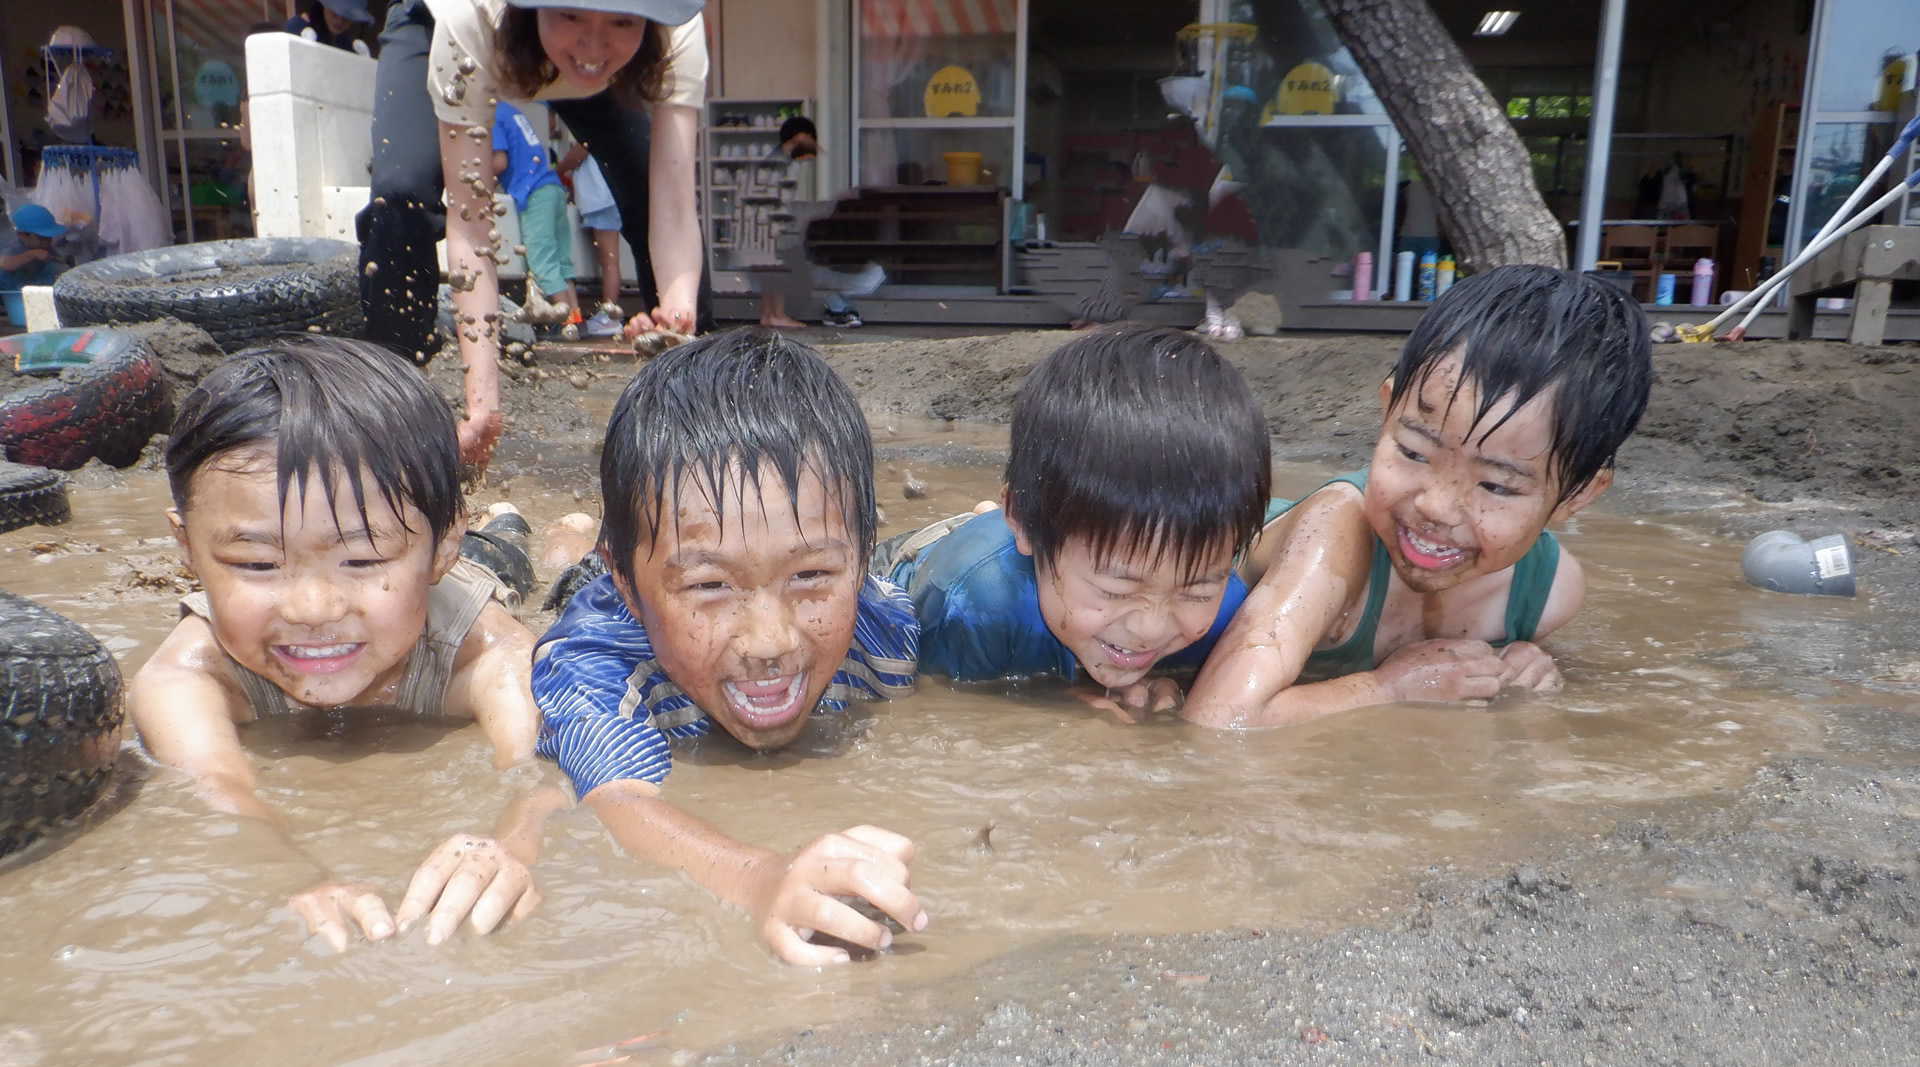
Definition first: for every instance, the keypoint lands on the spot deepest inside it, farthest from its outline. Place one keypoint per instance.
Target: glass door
(939, 92)
(199, 74)
(1861, 57)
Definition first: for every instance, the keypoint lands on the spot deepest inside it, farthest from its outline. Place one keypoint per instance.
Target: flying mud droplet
(579, 380)
(466, 66)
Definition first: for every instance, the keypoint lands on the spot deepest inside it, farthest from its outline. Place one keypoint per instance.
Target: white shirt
(463, 29)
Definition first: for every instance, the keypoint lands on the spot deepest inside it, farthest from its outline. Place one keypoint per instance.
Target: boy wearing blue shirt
(520, 161)
(737, 479)
(1139, 470)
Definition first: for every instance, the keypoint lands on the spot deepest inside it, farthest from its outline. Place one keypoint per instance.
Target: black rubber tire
(61, 701)
(312, 282)
(108, 408)
(30, 495)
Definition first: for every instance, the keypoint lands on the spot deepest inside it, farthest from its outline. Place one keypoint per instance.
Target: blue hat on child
(38, 221)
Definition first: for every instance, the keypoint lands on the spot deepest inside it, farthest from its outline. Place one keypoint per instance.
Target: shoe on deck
(846, 320)
(601, 325)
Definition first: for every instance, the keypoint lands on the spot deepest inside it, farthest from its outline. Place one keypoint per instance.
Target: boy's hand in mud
(676, 320)
(1445, 670)
(468, 877)
(333, 909)
(1529, 667)
(796, 899)
(1131, 705)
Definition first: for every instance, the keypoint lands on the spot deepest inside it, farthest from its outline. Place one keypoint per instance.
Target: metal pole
(1606, 85)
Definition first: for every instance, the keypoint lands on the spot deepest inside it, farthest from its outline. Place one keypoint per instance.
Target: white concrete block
(41, 314)
(310, 110)
(283, 63)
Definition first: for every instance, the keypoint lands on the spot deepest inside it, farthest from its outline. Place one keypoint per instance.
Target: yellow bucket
(963, 168)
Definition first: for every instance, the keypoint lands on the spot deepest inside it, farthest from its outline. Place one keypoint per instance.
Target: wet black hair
(326, 406)
(1523, 330)
(796, 126)
(733, 401)
(1138, 436)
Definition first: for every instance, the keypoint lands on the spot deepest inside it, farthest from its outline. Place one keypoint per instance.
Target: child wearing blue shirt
(1139, 470)
(520, 161)
(737, 477)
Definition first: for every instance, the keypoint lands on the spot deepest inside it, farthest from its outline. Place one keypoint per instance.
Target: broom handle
(1829, 237)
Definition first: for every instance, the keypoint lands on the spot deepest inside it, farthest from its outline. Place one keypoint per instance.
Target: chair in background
(1635, 248)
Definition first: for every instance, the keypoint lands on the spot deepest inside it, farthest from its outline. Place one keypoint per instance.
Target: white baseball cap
(665, 12)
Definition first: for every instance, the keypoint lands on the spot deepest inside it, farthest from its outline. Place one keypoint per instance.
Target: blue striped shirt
(608, 709)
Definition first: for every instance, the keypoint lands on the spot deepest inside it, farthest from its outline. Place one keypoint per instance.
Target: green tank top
(1526, 598)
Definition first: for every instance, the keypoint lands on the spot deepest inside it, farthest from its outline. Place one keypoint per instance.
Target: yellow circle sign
(1306, 90)
(952, 91)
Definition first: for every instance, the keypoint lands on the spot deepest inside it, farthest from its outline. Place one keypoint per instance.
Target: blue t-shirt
(527, 167)
(607, 707)
(979, 608)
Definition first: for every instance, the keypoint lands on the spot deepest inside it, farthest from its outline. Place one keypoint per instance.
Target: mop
(1836, 228)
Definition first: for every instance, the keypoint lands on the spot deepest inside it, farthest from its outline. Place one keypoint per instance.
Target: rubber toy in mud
(60, 708)
(241, 292)
(108, 399)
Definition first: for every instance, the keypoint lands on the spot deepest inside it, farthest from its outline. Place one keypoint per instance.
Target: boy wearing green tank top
(1430, 575)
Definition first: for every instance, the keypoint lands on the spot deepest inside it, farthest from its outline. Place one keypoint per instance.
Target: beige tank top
(453, 605)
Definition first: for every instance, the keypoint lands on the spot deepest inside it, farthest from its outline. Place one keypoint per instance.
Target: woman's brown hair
(525, 69)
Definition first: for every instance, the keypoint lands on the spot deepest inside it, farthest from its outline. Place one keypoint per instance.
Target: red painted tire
(109, 408)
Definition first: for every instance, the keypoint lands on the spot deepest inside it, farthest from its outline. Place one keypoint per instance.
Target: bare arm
(24, 258)
(474, 278)
(1316, 561)
(575, 156)
(673, 226)
(788, 897)
(492, 684)
(499, 163)
(1527, 664)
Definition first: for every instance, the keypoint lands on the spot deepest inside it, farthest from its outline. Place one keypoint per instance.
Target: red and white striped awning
(219, 27)
(937, 18)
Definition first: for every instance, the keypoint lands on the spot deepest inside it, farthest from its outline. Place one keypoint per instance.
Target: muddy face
(1122, 612)
(309, 595)
(751, 609)
(1456, 498)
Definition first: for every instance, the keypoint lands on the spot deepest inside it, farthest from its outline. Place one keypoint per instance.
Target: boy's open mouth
(767, 703)
(318, 659)
(1428, 555)
(1127, 659)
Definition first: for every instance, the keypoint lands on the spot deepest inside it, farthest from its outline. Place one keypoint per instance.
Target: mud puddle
(160, 936)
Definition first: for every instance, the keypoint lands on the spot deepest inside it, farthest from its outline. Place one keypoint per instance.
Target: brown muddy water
(160, 935)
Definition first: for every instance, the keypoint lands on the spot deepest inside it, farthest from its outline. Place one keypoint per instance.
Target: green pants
(548, 239)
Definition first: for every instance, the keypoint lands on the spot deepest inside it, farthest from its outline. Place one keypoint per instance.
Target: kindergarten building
(994, 143)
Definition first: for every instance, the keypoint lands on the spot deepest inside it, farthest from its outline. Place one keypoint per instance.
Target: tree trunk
(1474, 163)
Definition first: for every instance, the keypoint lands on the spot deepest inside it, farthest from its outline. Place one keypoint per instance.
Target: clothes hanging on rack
(87, 186)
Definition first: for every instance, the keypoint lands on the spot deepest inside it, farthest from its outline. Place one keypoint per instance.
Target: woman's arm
(474, 276)
(673, 224)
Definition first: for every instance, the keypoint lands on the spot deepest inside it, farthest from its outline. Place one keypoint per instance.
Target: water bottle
(1663, 292)
(1363, 276)
(1443, 277)
(1429, 268)
(1702, 282)
(1403, 276)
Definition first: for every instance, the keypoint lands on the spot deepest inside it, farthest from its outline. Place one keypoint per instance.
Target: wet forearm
(522, 826)
(1291, 705)
(651, 829)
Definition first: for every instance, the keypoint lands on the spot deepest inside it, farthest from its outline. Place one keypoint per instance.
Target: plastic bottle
(1443, 277)
(1663, 291)
(1429, 268)
(1403, 276)
(1363, 276)
(1702, 282)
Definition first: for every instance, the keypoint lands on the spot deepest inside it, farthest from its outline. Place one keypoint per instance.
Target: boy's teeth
(1429, 548)
(318, 651)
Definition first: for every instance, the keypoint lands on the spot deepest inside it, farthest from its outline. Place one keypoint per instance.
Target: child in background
(1430, 575)
(601, 217)
(800, 143)
(28, 258)
(1139, 470)
(737, 479)
(520, 160)
(316, 497)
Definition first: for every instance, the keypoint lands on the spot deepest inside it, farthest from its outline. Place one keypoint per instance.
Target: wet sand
(1723, 796)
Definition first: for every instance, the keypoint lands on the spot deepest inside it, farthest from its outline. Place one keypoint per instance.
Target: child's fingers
(825, 915)
(900, 848)
(458, 898)
(431, 880)
(1166, 694)
(510, 888)
(322, 918)
(889, 895)
(370, 913)
(792, 948)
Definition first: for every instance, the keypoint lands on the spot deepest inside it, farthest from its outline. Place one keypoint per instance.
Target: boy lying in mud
(1429, 575)
(737, 483)
(1138, 472)
(316, 497)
